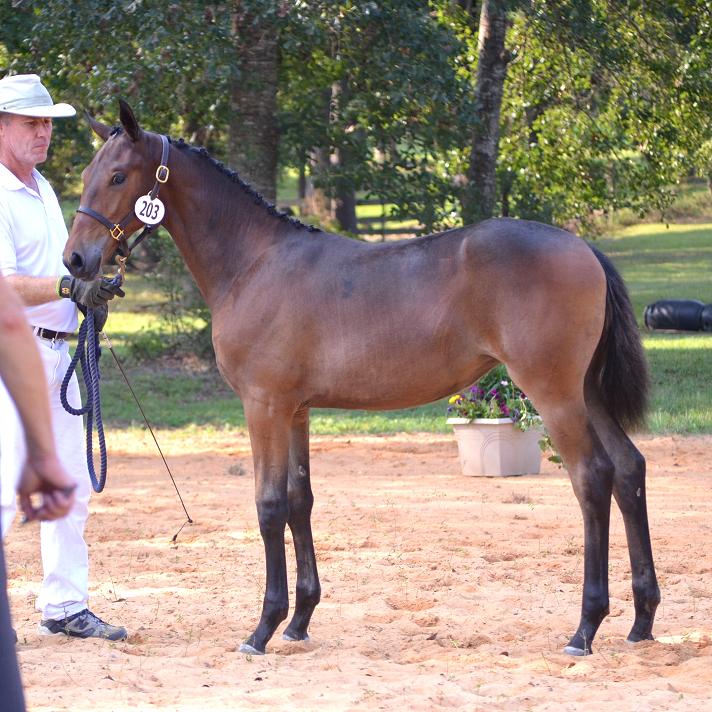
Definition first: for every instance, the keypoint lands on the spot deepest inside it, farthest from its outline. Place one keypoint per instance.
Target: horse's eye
(118, 178)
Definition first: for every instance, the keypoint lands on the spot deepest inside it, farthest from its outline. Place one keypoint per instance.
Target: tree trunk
(316, 200)
(345, 206)
(479, 196)
(254, 135)
(341, 160)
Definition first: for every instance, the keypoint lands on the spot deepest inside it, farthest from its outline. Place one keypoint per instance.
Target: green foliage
(606, 106)
(377, 84)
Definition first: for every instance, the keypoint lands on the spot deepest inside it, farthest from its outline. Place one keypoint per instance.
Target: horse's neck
(218, 228)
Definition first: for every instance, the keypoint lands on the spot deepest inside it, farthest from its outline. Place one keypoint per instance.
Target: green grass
(681, 369)
(657, 262)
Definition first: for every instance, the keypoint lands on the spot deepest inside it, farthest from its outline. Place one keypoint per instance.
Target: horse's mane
(246, 187)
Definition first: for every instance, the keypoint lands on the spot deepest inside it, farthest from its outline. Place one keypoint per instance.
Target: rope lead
(89, 352)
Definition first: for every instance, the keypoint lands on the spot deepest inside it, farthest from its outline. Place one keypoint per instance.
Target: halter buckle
(117, 232)
(162, 173)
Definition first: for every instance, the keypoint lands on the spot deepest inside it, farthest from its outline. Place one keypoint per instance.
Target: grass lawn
(657, 262)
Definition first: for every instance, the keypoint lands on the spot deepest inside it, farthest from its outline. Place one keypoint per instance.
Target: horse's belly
(395, 379)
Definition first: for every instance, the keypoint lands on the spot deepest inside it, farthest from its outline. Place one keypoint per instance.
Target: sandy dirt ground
(439, 591)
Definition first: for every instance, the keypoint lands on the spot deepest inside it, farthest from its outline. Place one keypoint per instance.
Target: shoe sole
(42, 630)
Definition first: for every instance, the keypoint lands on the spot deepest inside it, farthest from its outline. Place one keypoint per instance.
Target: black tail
(623, 381)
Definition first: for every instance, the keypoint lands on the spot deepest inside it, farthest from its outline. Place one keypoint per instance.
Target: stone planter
(496, 448)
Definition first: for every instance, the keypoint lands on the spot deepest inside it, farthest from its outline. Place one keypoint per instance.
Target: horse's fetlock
(646, 594)
(596, 606)
(308, 597)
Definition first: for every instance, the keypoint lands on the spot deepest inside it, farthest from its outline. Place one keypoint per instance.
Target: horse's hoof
(578, 652)
(293, 638)
(249, 650)
(632, 640)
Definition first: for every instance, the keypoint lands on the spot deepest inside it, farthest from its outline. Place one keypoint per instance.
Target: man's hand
(89, 294)
(46, 476)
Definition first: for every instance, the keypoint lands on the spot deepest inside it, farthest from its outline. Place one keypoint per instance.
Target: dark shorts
(12, 698)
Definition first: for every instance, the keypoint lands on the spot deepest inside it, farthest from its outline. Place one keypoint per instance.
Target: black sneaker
(83, 625)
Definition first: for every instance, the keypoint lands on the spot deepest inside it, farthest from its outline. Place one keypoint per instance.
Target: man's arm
(23, 374)
(34, 290)
(39, 290)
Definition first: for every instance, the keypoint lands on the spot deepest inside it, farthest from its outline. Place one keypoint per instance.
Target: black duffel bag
(706, 318)
(677, 314)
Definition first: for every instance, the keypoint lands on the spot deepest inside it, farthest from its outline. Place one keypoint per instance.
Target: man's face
(24, 140)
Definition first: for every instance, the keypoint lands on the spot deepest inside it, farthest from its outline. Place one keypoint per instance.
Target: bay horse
(303, 318)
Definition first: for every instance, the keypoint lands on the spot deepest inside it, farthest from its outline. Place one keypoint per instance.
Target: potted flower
(497, 428)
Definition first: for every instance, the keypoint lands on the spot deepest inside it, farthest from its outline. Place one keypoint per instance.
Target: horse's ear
(128, 120)
(101, 130)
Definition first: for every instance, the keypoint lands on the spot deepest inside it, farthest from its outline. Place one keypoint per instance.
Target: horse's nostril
(77, 260)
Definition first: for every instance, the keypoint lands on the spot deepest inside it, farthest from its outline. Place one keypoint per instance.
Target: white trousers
(65, 563)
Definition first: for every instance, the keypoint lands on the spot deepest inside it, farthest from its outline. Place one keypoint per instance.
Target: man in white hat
(32, 237)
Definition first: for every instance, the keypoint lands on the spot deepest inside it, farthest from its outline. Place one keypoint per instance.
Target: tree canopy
(604, 104)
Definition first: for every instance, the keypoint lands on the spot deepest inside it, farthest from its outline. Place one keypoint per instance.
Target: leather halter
(117, 229)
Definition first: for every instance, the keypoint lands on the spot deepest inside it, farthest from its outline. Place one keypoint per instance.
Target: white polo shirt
(32, 238)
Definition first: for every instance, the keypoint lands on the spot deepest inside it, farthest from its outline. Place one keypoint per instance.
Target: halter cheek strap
(118, 230)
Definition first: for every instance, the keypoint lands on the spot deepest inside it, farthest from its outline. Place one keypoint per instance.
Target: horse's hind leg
(591, 472)
(629, 491)
(301, 501)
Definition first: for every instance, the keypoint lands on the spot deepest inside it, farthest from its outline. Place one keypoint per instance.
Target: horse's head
(123, 170)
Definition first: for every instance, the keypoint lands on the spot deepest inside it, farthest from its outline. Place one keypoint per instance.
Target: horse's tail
(619, 366)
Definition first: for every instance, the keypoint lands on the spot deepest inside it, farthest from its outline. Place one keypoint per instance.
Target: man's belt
(50, 334)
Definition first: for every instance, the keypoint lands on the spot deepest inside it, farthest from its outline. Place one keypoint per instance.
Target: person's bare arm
(34, 290)
(22, 372)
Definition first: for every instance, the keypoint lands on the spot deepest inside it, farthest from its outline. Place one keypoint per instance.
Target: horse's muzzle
(84, 264)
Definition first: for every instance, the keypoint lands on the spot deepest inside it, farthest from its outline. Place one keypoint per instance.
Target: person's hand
(45, 476)
(89, 294)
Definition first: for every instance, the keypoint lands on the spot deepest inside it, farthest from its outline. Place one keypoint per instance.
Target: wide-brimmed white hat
(25, 95)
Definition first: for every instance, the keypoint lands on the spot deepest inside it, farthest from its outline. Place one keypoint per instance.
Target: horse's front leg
(301, 501)
(269, 435)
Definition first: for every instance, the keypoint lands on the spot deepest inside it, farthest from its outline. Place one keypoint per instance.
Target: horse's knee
(272, 515)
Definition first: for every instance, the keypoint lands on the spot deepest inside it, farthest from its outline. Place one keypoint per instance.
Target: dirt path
(439, 591)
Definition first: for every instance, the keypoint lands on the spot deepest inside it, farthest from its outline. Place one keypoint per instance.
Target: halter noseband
(117, 230)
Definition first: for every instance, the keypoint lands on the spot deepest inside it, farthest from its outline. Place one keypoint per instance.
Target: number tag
(149, 212)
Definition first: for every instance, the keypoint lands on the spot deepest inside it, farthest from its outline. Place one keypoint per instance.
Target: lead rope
(88, 352)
